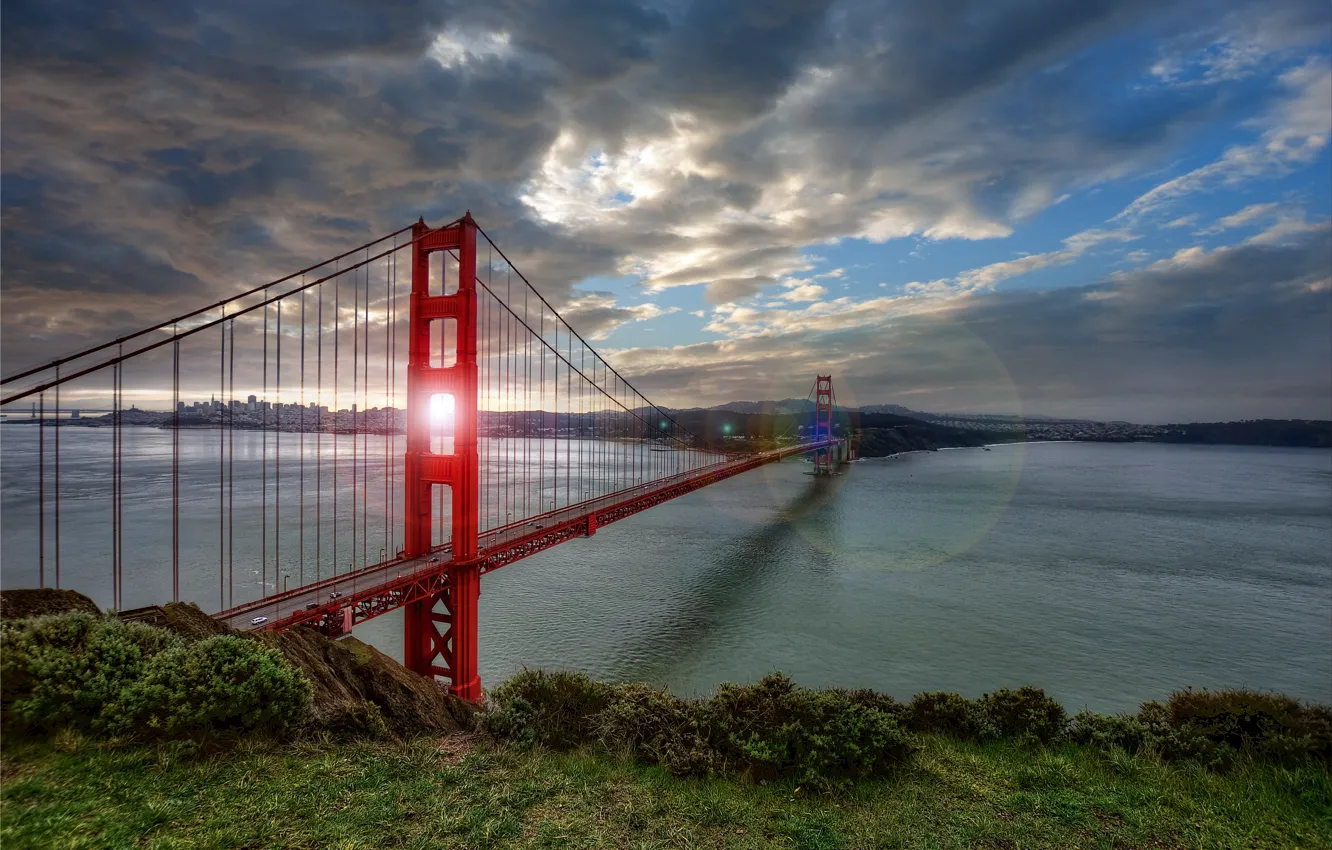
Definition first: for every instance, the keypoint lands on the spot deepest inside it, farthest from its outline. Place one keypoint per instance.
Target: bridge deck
(380, 588)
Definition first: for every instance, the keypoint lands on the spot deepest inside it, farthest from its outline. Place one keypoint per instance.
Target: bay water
(1107, 574)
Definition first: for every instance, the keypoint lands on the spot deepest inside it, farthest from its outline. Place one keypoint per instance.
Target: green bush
(650, 724)
(1187, 743)
(554, 710)
(951, 714)
(219, 683)
(1026, 713)
(1107, 731)
(1234, 717)
(821, 737)
(1267, 725)
(654, 726)
(67, 669)
(1315, 721)
(869, 698)
(767, 730)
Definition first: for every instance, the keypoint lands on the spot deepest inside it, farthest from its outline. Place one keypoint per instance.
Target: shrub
(649, 724)
(67, 669)
(553, 710)
(652, 725)
(1187, 743)
(882, 702)
(1316, 722)
(769, 729)
(1235, 717)
(774, 729)
(1106, 731)
(1267, 725)
(1025, 713)
(949, 713)
(219, 683)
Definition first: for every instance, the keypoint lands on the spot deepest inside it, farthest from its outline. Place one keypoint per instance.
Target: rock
(183, 618)
(21, 604)
(347, 672)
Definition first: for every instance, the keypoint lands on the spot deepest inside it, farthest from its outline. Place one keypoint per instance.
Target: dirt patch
(348, 671)
(190, 622)
(22, 603)
(455, 747)
(12, 771)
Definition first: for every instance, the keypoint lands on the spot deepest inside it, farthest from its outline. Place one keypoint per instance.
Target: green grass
(74, 793)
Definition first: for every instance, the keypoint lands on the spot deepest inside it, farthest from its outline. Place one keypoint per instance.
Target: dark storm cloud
(732, 60)
(177, 151)
(588, 40)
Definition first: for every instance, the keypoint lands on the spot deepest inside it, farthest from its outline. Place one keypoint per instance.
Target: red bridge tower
(823, 406)
(440, 631)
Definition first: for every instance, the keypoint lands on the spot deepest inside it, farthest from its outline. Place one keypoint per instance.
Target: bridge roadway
(373, 587)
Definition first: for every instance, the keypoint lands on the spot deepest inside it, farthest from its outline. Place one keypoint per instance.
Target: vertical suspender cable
(541, 404)
(57, 480)
(388, 411)
(393, 398)
(300, 449)
(337, 323)
(526, 406)
(356, 363)
(365, 431)
(221, 464)
(115, 485)
(277, 461)
(263, 459)
(175, 470)
(319, 431)
(231, 471)
(120, 486)
(41, 490)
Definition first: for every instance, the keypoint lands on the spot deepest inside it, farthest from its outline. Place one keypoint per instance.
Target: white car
(258, 621)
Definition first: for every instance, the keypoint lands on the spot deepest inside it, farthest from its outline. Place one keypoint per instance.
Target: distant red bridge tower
(823, 406)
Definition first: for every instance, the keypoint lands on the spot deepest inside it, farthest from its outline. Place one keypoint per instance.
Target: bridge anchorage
(519, 436)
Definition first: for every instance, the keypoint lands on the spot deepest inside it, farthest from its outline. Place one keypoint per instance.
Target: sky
(1110, 210)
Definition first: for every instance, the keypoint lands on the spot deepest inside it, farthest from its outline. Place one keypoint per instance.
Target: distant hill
(889, 428)
(803, 405)
(1304, 433)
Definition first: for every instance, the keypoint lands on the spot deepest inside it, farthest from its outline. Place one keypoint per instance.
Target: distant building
(250, 403)
(74, 414)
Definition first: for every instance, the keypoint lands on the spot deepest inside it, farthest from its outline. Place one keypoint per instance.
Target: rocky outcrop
(23, 603)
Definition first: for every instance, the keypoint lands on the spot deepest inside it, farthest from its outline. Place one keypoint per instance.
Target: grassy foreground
(72, 792)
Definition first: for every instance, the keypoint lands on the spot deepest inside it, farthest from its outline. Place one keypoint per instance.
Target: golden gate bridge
(519, 436)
